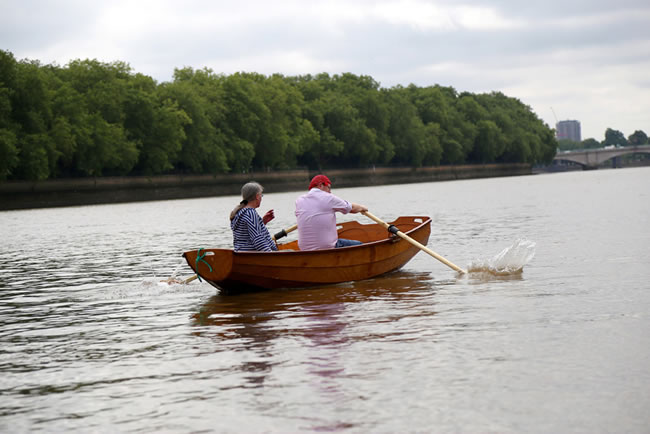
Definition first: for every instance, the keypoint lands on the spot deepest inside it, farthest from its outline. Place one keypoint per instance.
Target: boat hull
(289, 267)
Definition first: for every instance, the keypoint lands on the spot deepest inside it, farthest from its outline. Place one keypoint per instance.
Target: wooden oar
(189, 279)
(394, 230)
(281, 234)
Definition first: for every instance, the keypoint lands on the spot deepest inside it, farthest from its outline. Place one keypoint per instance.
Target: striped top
(250, 233)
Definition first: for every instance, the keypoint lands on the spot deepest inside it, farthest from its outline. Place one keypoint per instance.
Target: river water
(91, 340)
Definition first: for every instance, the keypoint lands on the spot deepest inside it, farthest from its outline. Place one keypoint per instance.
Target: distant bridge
(592, 158)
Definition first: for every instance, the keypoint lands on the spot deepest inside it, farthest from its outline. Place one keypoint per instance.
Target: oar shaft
(431, 252)
(189, 279)
(415, 243)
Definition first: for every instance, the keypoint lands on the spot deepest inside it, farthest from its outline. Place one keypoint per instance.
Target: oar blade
(414, 242)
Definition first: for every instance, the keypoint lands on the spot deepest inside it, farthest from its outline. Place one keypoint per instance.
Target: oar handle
(284, 232)
(414, 242)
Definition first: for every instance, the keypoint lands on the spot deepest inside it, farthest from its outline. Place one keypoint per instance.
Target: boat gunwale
(426, 220)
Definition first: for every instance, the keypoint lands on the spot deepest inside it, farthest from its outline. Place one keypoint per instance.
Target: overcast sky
(587, 60)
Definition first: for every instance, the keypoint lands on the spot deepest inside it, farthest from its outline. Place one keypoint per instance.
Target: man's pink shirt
(315, 213)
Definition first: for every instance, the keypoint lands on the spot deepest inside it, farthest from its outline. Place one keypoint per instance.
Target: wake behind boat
(289, 267)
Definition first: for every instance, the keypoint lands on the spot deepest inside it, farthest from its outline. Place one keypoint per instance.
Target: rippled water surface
(91, 340)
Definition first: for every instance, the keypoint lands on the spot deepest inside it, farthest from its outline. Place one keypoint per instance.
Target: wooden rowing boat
(289, 267)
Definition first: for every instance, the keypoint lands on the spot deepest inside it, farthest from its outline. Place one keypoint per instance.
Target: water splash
(174, 279)
(510, 261)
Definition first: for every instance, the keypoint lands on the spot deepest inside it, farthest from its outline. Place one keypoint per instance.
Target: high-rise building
(568, 130)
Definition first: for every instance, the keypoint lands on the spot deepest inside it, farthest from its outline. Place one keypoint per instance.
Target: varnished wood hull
(289, 267)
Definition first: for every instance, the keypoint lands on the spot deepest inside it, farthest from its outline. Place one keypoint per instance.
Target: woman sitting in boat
(248, 228)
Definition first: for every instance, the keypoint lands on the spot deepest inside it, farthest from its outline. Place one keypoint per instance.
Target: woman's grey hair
(248, 193)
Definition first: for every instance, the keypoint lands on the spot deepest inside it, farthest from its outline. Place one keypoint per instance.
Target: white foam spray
(510, 261)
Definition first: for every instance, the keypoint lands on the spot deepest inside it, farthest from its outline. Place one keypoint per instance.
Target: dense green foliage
(92, 119)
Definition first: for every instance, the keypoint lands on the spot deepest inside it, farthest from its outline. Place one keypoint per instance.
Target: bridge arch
(592, 158)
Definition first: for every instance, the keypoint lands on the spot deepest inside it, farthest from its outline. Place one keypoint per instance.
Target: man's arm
(358, 208)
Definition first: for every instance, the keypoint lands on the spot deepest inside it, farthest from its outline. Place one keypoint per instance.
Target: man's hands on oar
(392, 229)
(281, 234)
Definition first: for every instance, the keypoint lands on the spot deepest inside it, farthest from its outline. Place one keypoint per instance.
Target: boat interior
(366, 233)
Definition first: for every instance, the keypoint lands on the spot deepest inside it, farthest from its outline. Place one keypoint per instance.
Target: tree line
(90, 118)
(612, 138)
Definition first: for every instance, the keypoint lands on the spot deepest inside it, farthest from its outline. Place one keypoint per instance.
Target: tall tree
(8, 139)
(638, 138)
(615, 138)
(321, 108)
(590, 143)
(414, 142)
(489, 143)
(203, 149)
(32, 111)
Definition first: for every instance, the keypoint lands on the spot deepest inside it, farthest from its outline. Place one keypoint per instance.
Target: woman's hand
(268, 216)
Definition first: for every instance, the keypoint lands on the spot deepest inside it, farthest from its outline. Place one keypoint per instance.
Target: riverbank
(16, 195)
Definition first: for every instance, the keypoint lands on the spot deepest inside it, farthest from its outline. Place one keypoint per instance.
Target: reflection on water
(257, 308)
(315, 325)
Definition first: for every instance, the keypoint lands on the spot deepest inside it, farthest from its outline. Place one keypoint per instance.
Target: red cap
(319, 179)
